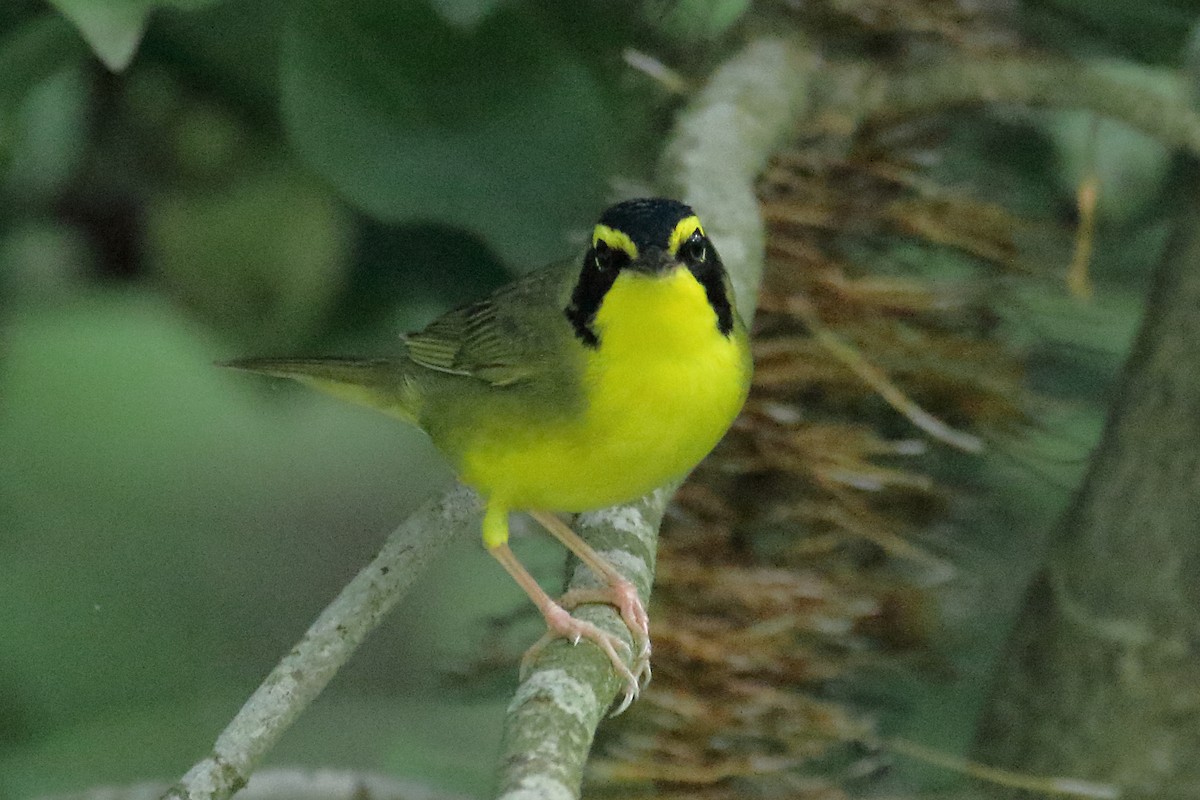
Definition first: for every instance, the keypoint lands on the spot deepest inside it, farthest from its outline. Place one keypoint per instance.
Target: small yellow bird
(579, 386)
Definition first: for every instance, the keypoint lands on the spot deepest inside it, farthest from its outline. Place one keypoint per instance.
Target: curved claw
(561, 625)
(618, 592)
(623, 595)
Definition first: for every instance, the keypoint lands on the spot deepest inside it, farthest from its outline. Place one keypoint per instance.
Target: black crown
(648, 221)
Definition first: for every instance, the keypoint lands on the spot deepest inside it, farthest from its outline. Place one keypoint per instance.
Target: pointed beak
(654, 261)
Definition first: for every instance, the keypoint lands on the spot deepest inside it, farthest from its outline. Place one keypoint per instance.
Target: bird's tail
(381, 383)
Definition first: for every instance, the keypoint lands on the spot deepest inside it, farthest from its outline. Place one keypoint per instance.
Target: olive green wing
(505, 339)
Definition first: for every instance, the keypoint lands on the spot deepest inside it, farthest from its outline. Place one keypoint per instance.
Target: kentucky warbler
(581, 385)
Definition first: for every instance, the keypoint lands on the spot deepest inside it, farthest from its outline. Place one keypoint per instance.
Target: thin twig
(1052, 786)
(878, 380)
(327, 645)
(288, 784)
(1079, 280)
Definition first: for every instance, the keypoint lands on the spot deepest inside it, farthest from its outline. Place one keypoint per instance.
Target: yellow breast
(661, 389)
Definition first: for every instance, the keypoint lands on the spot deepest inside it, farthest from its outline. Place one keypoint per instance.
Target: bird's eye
(607, 258)
(695, 249)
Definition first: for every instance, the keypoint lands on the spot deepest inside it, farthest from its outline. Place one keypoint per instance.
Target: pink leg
(561, 624)
(620, 592)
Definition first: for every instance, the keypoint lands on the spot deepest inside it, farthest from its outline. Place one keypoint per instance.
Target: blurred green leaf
(233, 46)
(262, 258)
(35, 50)
(42, 261)
(502, 130)
(114, 28)
(691, 20)
(1153, 31)
(406, 275)
(50, 139)
(170, 527)
(464, 13)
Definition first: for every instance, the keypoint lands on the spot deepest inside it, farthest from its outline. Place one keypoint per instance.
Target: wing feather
(504, 339)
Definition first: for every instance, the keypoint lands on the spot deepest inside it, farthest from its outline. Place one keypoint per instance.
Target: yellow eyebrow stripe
(614, 239)
(683, 231)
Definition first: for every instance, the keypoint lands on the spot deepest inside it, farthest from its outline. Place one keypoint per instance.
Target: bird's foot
(561, 625)
(622, 595)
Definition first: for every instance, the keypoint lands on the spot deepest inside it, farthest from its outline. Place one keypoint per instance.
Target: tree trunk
(1101, 676)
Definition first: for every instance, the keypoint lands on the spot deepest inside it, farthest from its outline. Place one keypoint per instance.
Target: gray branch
(327, 645)
(1039, 83)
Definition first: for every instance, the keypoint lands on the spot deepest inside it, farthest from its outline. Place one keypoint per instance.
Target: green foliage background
(264, 177)
(183, 181)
